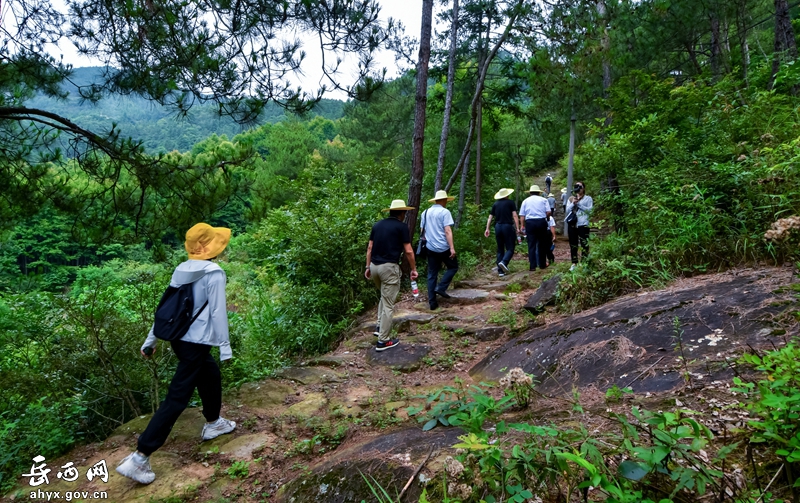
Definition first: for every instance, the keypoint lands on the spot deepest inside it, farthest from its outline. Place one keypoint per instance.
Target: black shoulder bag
(422, 244)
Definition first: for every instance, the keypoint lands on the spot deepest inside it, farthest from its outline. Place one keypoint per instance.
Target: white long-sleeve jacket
(211, 326)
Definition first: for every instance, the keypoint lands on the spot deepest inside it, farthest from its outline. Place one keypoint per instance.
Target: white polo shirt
(534, 207)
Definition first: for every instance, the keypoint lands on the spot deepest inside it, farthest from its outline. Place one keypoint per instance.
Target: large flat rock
(613, 344)
(407, 357)
(390, 458)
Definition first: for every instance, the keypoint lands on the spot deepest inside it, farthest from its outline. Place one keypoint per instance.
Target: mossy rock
(268, 396)
(309, 406)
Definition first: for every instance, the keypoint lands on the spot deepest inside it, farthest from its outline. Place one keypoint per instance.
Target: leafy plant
(239, 470)
(775, 401)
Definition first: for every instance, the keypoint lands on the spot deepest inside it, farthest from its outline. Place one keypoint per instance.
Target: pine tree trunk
(421, 101)
(462, 196)
(716, 47)
(570, 162)
(479, 134)
(741, 28)
(448, 101)
(478, 141)
(784, 38)
(479, 91)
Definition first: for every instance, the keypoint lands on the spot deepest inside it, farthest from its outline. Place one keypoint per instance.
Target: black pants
(538, 242)
(578, 235)
(506, 236)
(196, 369)
(435, 261)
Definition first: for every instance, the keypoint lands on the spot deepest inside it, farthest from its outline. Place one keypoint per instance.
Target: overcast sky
(408, 12)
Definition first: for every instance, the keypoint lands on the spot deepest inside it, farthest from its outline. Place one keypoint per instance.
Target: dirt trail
(287, 423)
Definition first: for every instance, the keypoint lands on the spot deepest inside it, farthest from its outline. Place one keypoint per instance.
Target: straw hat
(564, 190)
(441, 194)
(204, 242)
(398, 204)
(535, 188)
(503, 193)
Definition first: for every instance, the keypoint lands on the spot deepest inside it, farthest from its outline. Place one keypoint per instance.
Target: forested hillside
(158, 128)
(681, 117)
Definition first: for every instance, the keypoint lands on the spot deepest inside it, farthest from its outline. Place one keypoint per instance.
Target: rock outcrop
(634, 340)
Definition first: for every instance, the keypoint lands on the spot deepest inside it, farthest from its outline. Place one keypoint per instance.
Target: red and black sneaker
(384, 345)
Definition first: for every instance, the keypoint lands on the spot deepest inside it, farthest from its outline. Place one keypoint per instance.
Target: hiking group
(192, 313)
(390, 240)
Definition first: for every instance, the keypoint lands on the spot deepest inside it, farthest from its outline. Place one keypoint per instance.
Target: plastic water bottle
(414, 289)
(519, 239)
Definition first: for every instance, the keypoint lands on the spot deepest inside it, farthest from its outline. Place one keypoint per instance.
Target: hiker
(196, 367)
(506, 228)
(548, 181)
(551, 200)
(577, 213)
(388, 241)
(437, 222)
(551, 227)
(533, 214)
(564, 200)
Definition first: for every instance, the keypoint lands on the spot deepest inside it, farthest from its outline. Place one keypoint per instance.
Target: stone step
(481, 333)
(464, 296)
(406, 357)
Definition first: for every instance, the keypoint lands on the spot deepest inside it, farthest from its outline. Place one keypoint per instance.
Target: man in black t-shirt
(506, 228)
(388, 241)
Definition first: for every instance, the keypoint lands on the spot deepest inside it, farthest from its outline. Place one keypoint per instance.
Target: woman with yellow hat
(196, 369)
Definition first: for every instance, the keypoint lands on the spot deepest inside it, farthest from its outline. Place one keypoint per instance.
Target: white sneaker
(137, 467)
(219, 427)
(573, 266)
(503, 268)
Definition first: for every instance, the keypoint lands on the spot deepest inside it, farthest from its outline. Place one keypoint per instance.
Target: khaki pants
(387, 278)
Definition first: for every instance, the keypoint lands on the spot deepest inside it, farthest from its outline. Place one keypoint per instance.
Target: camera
(577, 188)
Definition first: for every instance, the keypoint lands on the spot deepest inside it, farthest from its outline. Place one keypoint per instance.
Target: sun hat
(535, 188)
(503, 193)
(564, 190)
(441, 194)
(204, 242)
(398, 204)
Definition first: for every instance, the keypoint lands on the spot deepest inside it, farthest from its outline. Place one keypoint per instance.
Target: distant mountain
(159, 128)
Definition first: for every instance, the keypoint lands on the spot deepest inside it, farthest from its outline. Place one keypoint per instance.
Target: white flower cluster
(460, 491)
(453, 467)
(782, 228)
(516, 376)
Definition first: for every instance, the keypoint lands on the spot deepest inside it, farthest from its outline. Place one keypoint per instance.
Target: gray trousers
(387, 278)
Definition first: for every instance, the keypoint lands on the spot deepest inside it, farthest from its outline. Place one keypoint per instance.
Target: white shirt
(208, 284)
(551, 222)
(583, 211)
(434, 220)
(534, 207)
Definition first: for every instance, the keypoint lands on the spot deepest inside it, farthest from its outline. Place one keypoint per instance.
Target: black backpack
(174, 313)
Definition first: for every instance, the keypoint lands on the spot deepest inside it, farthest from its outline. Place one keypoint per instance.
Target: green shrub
(703, 170)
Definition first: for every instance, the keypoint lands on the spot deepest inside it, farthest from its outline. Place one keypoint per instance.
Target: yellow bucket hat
(398, 204)
(535, 188)
(441, 194)
(503, 193)
(204, 242)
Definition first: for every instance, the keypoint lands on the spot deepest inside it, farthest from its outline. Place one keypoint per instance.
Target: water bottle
(414, 289)
(519, 239)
